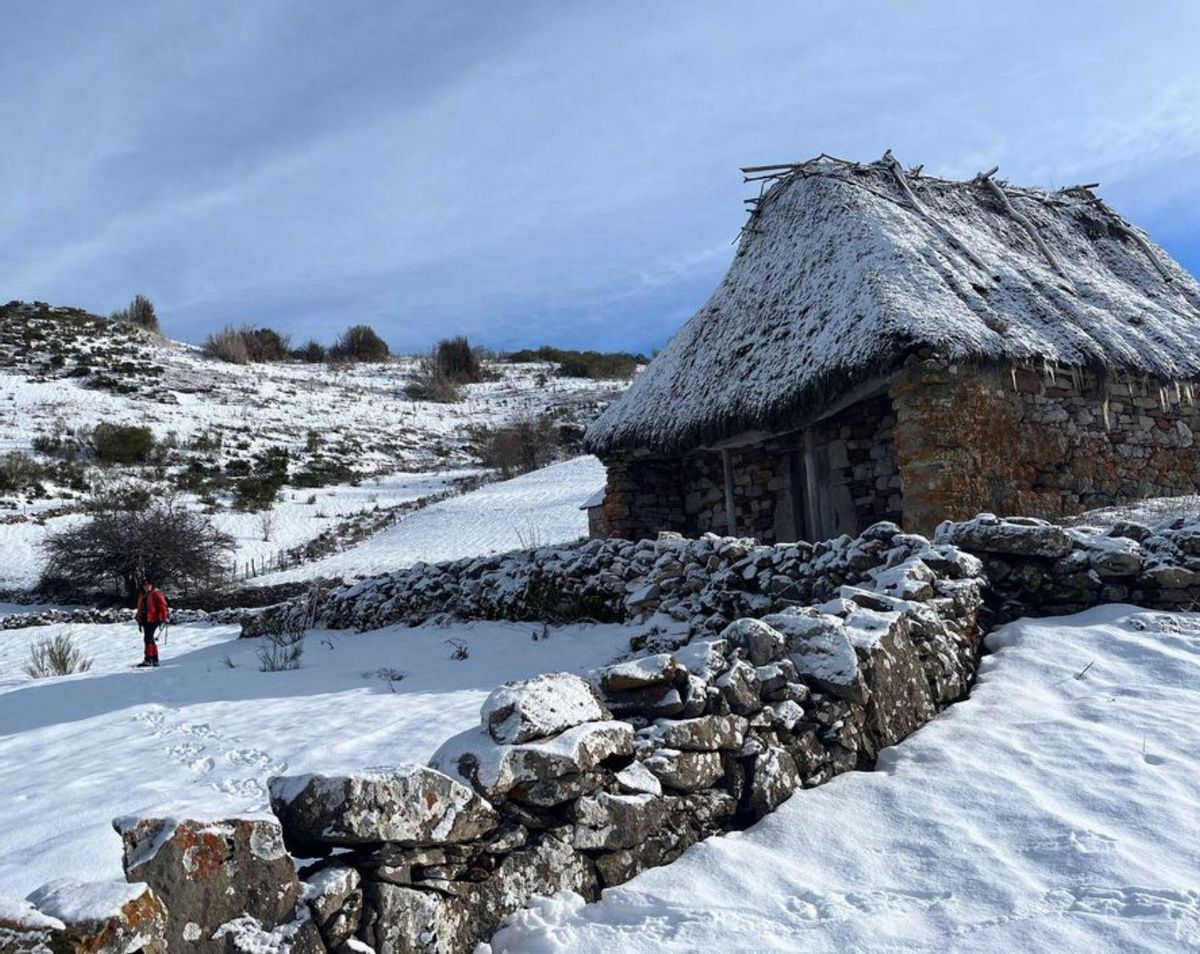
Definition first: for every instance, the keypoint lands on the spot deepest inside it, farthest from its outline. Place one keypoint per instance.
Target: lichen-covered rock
(740, 689)
(93, 917)
(495, 770)
(609, 822)
(685, 771)
(761, 643)
(26, 930)
(773, 778)
(407, 805)
(636, 779)
(703, 734)
(210, 872)
(987, 533)
(245, 935)
(335, 900)
(536, 708)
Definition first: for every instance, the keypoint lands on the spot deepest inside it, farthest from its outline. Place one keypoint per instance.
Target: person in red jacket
(151, 614)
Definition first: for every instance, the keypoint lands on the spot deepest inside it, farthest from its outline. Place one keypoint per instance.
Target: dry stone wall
(784, 666)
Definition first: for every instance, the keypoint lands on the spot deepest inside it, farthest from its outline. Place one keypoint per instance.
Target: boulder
(773, 779)
(646, 671)
(988, 534)
(335, 901)
(685, 771)
(245, 935)
(26, 930)
(740, 688)
(407, 805)
(636, 779)
(98, 917)
(1172, 577)
(210, 872)
(540, 707)
(610, 822)
(821, 651)
(703, 658)
(760, 643)
(495, 770)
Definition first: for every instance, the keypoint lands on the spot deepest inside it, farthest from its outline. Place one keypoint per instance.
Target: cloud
(537, 171)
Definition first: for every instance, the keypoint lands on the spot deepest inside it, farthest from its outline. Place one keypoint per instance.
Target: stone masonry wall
(687, 494)
(1014, 441)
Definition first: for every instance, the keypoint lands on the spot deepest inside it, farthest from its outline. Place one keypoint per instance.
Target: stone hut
(892, 345)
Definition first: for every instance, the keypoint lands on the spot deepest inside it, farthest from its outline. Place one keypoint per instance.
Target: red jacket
(151, 607)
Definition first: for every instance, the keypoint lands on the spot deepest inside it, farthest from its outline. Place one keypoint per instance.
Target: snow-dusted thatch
(843, 270)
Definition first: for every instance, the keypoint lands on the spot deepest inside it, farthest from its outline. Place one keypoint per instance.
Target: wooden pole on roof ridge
(985, 179)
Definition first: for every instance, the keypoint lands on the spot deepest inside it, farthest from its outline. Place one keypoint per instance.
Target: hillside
(349, 451)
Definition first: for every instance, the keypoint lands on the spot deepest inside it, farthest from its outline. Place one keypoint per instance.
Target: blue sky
(529, 172)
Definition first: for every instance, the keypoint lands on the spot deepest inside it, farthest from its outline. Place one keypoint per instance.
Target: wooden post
(730, 512)
(812, 512)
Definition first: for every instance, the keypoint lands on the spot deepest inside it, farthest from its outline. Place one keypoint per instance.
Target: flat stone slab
(540, 707)
(405, 805)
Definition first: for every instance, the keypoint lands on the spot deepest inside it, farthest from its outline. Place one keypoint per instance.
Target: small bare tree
(56, 656)
(266, 524)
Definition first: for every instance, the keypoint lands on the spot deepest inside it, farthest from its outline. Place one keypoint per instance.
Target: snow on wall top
(839, 276)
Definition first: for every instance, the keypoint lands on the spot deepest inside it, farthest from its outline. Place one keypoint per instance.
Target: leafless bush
(56, 656)
(159, 540)
(266, 524)
(461, 649)
(390, 676)
(527, 443)
(227, 345)
(457, 360)
(430, 383)
(283, 644)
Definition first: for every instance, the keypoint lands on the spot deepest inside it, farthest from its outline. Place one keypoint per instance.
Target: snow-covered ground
(201, 734)
(538, 508)
(1055, 810)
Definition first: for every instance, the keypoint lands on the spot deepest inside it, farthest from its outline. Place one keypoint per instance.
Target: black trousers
(148, 641)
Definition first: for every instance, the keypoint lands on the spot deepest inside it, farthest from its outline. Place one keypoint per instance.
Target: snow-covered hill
(356, 445)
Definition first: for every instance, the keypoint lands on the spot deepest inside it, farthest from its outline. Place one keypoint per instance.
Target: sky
(532, 172)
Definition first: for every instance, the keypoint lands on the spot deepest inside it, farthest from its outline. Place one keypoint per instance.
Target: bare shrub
(527, 443)
(161, 541)
(390, 676)
(56, 656)
(313, 352)
(227, 345)
(359, 343)
(266, 524)
(19, 472)
(283, 643)
(460, 649)
(428, 383)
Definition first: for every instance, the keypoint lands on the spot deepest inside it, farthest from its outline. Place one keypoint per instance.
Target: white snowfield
(535, 509)
(201, 735)
(1056, 810)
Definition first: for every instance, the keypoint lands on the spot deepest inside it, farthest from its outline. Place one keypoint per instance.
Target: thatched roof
(843, 270)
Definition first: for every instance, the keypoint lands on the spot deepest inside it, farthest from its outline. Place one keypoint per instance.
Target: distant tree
(359, 343)
(141, 313)
(121, 548)
(313, 352)
(265, 344)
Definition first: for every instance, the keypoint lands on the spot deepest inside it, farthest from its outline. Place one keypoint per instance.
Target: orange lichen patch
(203, 852)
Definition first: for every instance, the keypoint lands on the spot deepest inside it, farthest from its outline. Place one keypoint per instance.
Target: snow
(1054, 810)
(75, 902)
(535, 509)
(200, 736)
